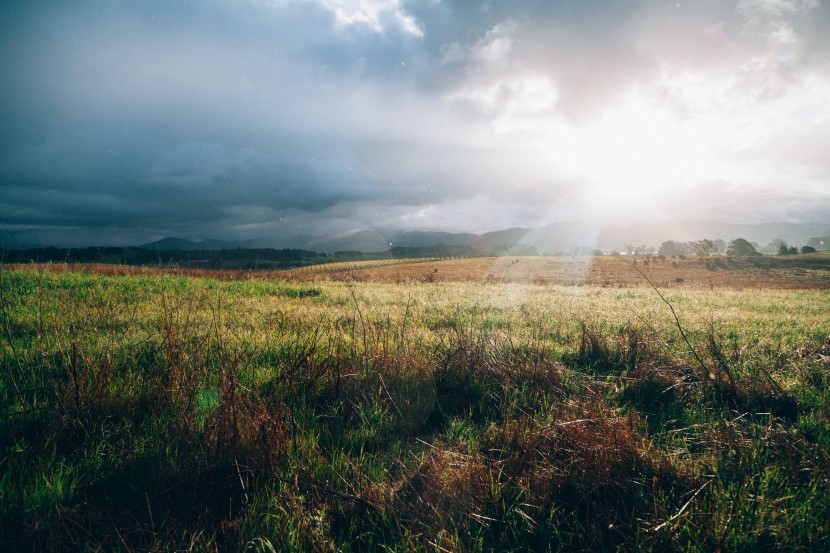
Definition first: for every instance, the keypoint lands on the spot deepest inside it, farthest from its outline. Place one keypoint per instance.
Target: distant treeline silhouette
(234, 258)
(240, 258)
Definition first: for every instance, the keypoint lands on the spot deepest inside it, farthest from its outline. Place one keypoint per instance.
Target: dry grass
(795, 272)
(807, 272)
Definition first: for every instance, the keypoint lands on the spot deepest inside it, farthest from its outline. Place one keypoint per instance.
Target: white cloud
(494, 49)
(491, 52)
(373, 14)
(512, 96)
(513, 103)
(772, 20)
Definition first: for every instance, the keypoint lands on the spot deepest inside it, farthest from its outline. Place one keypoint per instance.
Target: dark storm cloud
(228, 119)
(166, 114)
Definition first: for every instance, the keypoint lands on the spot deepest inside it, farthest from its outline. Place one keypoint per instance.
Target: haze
(124, 122)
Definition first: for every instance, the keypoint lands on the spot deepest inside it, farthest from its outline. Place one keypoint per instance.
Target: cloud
(373, 14)
(217, 119)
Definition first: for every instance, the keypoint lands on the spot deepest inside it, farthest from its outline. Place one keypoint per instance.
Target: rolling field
(438, 405)
(790, 272)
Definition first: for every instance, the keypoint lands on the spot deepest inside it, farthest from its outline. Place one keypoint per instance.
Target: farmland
(471, 404)
(799, 272)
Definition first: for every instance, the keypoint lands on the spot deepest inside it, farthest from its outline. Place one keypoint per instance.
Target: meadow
(437, 405)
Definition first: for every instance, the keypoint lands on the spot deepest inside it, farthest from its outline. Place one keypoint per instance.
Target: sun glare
(633, 151)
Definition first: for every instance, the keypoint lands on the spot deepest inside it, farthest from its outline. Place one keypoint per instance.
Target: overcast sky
(123, 122)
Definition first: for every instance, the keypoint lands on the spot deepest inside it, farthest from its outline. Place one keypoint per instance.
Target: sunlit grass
(349, 266)
(165, 412)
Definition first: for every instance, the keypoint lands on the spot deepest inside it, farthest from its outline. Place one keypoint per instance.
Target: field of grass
(790, 272)
(158, 412)
(354, 266)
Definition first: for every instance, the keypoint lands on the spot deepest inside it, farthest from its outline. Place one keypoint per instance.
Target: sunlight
(634, 151)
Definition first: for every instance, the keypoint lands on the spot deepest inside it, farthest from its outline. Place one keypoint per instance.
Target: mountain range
(553, 238)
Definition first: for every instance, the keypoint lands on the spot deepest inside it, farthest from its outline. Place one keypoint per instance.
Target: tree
(670, 248)
(778, 245)
(703, 247)
(808, 249)
(741, 246)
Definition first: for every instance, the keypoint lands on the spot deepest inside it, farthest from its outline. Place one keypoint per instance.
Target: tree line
(738, 246)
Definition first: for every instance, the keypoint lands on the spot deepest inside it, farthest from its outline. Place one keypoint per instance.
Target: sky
(124, 122)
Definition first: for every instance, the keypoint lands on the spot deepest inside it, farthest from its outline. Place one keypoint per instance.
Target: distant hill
(420, 238)
(560, 237)
(184, 245)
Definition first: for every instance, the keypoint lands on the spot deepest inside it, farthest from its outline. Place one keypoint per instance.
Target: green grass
(173, 413)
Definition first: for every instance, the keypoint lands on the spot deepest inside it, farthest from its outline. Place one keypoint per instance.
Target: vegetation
(166, 412)
(263, 259)
(240, 258)
(820, 243)
(699, 247)
(439, 250)
(741, 246)
(713, 272)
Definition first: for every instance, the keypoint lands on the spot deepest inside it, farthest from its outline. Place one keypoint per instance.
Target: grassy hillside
(165, 412)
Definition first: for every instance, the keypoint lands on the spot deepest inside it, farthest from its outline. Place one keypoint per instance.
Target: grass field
(477, 404)
(790, 272)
